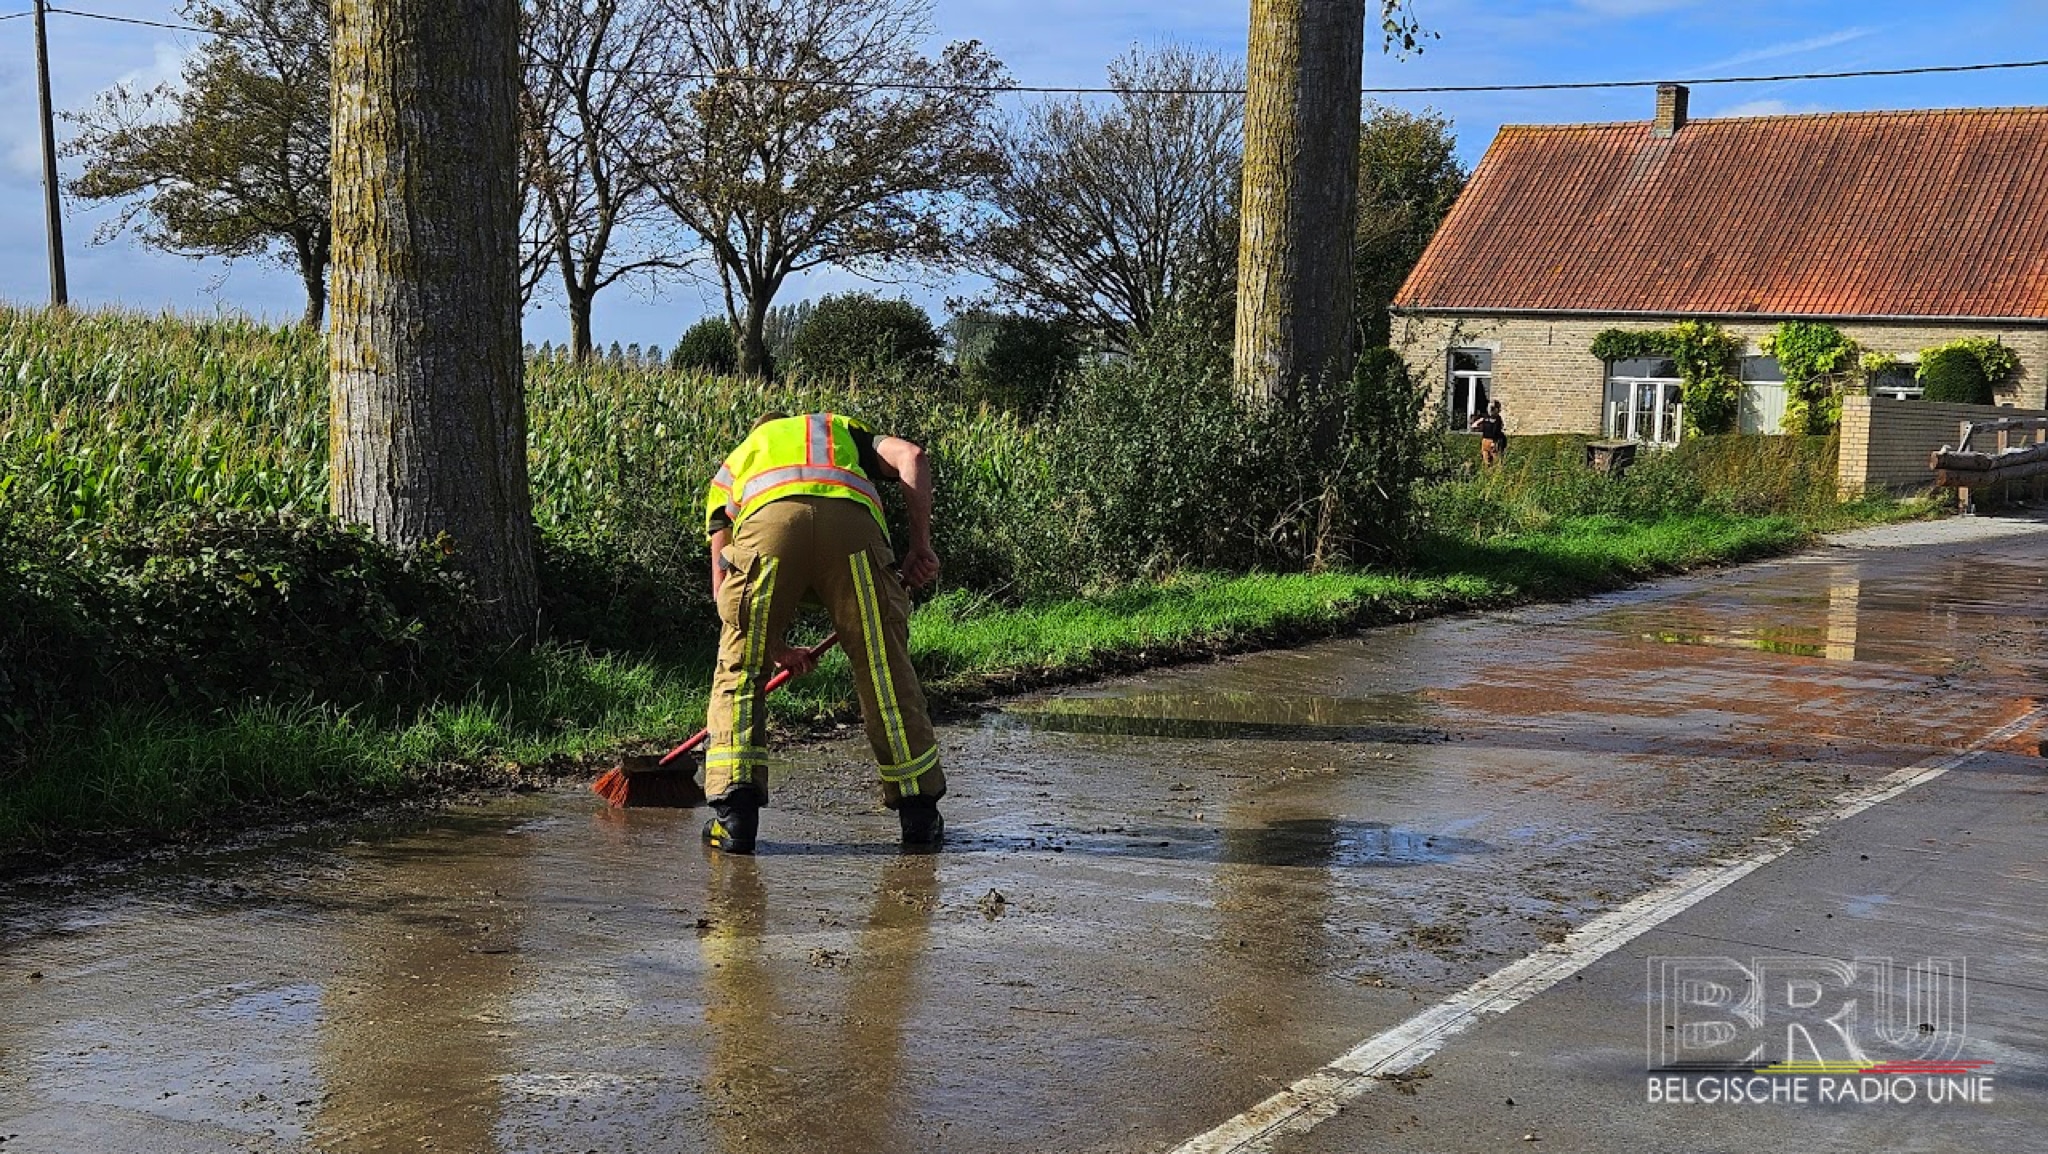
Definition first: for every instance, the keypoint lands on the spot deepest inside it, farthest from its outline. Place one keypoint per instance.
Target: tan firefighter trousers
(830, 548)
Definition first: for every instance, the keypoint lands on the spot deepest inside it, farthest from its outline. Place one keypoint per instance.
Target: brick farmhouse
(1904, 230)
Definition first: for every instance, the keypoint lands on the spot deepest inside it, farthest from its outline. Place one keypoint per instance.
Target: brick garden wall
(1885, 443)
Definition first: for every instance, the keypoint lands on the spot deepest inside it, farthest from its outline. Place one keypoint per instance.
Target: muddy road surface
(1168, 910)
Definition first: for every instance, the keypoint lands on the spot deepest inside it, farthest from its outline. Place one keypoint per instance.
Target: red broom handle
(776, 682)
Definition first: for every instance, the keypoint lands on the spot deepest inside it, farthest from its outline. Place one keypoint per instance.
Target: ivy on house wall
(1706, 355)
(1628, 344)
(1818, 360)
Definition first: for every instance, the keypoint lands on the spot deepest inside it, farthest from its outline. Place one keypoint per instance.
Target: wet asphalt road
(1163, 899)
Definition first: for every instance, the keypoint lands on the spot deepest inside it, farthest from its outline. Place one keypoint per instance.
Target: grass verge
(557, 711)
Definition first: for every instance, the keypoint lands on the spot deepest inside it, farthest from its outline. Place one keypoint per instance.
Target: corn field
(109, 416)
(118, 418)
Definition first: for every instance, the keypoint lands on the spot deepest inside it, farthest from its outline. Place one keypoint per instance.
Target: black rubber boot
(733, 826)
(923, 826)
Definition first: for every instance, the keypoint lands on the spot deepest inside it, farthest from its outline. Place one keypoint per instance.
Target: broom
(669, 781)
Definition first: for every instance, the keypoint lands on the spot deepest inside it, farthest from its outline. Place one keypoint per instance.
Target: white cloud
(166, 66)
(1790, 48)
(1769, 108)
(21, 141)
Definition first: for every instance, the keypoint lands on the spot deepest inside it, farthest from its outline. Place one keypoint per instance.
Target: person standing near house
(1493, 434)
(793, 513)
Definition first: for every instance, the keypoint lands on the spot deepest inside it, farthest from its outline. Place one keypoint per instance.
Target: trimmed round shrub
(855, 334)
(1954, 376)
(1014, 363)
(708, 346)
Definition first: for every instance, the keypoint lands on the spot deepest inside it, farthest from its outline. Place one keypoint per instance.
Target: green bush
(859, 335)
(1386, 453)
(1954, 375)
(707, 346)
(53, 628)
(1161, 436)
(209, 610)
(1011, 362)
(1185, 472)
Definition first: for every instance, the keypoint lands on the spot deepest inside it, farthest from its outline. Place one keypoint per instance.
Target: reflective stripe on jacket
(812, 456)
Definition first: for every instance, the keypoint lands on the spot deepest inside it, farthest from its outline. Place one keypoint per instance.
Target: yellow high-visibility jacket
(813, 455)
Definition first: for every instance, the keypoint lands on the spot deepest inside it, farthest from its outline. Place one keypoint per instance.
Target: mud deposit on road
(1162, 897)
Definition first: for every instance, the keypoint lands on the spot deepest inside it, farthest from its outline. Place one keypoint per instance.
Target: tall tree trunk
(428, 417)
(579, 324)
(312, 255)
(316, 296)
(1295, 281)
(753, 339)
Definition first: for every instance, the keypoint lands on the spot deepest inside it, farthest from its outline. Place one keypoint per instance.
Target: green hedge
(208, 611)
(164, 483)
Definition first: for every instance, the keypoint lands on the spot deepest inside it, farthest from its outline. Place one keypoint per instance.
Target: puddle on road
(1293, 843)
(1972, 610)
(1226, 716)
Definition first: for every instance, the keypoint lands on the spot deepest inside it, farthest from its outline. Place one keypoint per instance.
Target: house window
(1762, 369)
(1898, 380)
(1762, 407)
(1645, 400)
(1471, 385)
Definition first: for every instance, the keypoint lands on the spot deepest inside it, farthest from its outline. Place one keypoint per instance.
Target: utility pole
(52, 209)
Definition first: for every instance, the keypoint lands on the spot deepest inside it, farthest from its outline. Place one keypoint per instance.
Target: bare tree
(592, 68)
(428, 428)
(233, 160)
(816, 132)
(1110, 211)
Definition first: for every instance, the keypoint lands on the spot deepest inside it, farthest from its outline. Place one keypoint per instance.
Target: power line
(111, 19)
(1924, 70)
(16, 15)
(1083, 90)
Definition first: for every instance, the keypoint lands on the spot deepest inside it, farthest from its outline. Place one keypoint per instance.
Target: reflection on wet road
(1163, 896)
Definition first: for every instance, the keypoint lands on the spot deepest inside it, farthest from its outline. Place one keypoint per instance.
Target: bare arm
(914, 473)
(719, 541)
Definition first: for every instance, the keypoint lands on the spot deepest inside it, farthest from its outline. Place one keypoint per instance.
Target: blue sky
(1069, 42)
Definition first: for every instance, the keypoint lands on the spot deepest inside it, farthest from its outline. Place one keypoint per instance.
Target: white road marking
(1318, 1097)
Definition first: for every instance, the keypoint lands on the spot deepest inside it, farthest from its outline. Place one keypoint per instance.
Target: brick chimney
(1670, 110)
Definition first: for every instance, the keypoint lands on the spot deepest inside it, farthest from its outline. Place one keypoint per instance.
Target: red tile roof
(1922, 214)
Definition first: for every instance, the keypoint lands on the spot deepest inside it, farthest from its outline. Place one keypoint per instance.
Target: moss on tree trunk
(428, 420)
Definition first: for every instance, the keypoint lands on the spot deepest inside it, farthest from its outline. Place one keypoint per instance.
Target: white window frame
(1474, 386)
(1666, 410)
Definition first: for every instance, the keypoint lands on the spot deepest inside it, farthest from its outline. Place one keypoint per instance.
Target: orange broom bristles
(650, 783)
(611, 786)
